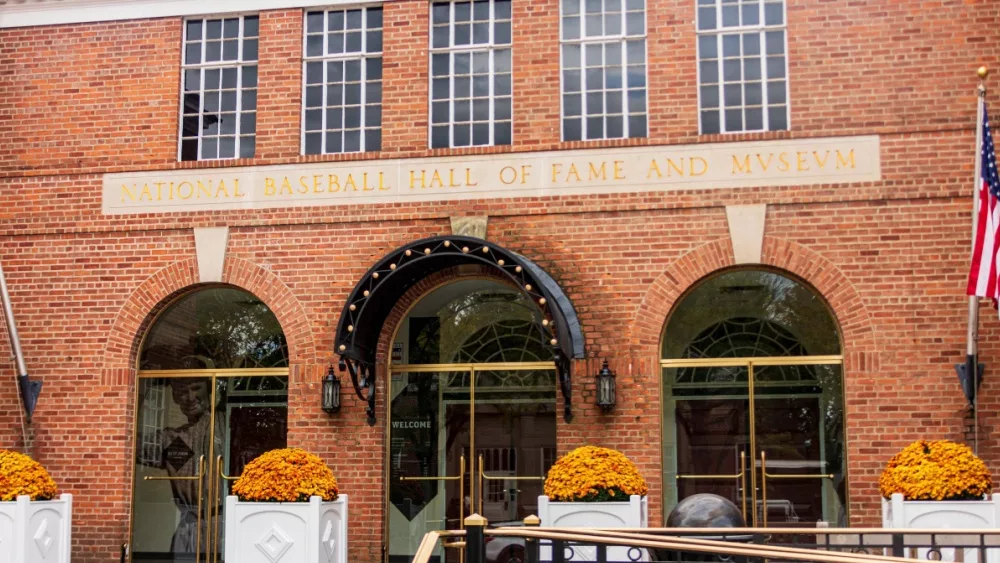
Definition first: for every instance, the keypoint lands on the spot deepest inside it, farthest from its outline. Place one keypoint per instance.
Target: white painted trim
(490, 48)
(583, 42)
(51, 12)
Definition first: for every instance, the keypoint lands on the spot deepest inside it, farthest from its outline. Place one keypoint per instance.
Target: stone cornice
(26, 13)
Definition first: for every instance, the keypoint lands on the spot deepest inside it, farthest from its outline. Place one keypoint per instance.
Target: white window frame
(583, 41)
(152, 420)
(490, 48)
(762, 30)
(239, 64)
(361, 56)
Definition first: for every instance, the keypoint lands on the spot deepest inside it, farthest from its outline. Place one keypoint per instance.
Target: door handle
(484, 477)
(213, 523)
(200, 477)
(740, 477)
(765, 476)
(461, 486)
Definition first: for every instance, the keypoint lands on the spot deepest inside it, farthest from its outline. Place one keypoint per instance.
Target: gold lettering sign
(835, 160)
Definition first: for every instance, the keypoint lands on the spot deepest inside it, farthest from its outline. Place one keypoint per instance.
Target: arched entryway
(212, 394)
(753, 401)
(472, 415)
(474, 363)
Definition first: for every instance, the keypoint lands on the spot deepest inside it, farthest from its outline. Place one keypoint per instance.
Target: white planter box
(631, 514)
(36, 532)
(947, 515)
(292, 532)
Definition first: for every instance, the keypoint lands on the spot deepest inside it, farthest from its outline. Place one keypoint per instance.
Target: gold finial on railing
(475, 520)
(532, 521)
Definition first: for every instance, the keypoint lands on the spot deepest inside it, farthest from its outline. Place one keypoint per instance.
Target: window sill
(745, 136)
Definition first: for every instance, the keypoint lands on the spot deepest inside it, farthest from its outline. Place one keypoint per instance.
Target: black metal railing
(532, 544)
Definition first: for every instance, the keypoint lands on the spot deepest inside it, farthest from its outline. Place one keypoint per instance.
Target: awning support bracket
(363, 380)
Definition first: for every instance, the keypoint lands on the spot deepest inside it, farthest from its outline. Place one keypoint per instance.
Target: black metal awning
(378, 291)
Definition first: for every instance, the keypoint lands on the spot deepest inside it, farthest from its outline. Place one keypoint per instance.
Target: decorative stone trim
(52, 12)
(746, 229)
(210, 245)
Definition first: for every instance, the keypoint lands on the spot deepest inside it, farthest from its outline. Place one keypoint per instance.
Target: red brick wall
(78, 101)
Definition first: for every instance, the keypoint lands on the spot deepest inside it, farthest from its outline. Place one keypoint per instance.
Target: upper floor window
(219, 106)
(742, 66)
(470, 73)
(603, 69)
(342, 111)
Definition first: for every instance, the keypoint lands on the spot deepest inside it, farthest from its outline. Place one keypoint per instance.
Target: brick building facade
(88, 98)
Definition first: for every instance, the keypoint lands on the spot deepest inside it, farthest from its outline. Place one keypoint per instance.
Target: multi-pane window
(742, 62)
(470, 73)
(219, 106)
(603, 69)
(342, 111)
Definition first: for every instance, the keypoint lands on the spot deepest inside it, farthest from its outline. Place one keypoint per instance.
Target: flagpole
(972, 336)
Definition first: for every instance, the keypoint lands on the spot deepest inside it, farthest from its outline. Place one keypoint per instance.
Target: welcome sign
(835, 160)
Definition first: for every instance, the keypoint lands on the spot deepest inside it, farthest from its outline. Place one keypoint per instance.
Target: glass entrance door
(462, 439)
(799, 463)
(711, 411)
(195, 432)
(515, 428)
(430, 429)
(764, 433)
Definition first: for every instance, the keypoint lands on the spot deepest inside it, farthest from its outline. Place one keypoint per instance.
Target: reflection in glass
(174, 436)
(217, 328)
(515, 439)
(486, 323)
(750, 313)
(800, 428)
(181, 421)
(710, 444)
(500, 414)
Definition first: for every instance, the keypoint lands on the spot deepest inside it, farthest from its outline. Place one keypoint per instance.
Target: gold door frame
(749, 363)
(474, 466)
(213, 483)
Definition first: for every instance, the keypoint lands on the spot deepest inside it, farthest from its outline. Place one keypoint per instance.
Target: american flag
(983, 274)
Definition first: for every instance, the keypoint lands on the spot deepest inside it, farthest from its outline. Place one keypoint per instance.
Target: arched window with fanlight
(753, 399)
(212, 394)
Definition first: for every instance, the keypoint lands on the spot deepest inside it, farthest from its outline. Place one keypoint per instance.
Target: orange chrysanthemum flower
(21, 475)
(286, 475)
(593, 474)
(936, 470)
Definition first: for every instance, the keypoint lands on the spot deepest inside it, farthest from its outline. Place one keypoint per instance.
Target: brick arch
(154, 294)
(861, 347)
(850, 314)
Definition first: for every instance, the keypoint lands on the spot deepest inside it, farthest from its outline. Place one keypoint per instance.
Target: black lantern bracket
(377, 292)
(363, 380)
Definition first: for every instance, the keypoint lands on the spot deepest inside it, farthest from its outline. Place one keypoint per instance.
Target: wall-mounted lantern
(331, 392)
(606, 388)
